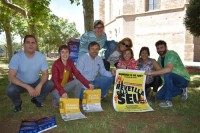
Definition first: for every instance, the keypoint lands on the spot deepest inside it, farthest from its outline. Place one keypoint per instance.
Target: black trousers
(157, 82)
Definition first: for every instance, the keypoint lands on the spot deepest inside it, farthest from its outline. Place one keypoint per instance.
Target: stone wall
(146, 27)
(196, 49)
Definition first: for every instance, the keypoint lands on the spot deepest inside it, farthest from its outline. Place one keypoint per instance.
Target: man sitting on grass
(90, 65)
(24, 69)
(175, 75)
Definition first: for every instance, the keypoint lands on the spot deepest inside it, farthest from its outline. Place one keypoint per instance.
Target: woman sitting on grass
(148, 64)
(113, 59)
(62, 77)
(127, 61)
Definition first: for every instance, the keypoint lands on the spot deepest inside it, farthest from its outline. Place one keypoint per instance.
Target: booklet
(92, 101)
(70, 110)
(37, 125)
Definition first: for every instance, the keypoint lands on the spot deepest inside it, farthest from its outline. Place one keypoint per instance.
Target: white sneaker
(184, 95)
(166, 104)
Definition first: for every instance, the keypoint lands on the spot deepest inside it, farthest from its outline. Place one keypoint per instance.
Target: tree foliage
(21, 17)
(36, 12)
(192, 19)
(58, 33)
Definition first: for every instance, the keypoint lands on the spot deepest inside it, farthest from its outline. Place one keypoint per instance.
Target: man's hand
(32, 92)
(64, 95)
(38, 89)
(91, 86)
(147, 73)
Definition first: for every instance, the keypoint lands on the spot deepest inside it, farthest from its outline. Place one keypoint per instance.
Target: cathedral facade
(147, 21)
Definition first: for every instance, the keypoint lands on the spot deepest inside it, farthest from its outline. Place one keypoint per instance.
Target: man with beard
(90, 65)
(174, 74)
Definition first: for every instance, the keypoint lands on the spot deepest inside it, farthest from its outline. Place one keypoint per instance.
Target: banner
(129, 91)
(69, 109)
(74, 49)
(92, 100)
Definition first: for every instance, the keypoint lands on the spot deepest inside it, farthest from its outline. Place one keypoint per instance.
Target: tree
(34, 11)
(6, 17)
(58, 33)
(88, 12)
(192, 19)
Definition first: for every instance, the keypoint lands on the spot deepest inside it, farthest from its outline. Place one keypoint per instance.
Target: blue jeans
(172, 87)
(101, 82)
(13, 91)
(110, 47)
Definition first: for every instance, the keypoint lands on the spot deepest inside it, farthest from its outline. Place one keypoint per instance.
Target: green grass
(183, 117)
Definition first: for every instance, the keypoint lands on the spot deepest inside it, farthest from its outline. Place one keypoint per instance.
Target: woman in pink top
(127, 61)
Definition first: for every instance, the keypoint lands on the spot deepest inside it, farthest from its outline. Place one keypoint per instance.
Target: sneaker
(184, 95)
(35, 101)
(166, 104)
(18, 108)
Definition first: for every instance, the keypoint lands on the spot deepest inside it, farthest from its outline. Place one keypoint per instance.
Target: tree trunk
(88, 13)
(9, 41)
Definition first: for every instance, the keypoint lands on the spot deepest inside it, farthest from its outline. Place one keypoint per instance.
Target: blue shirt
(88, 37)
(28, 69)
(90, 67)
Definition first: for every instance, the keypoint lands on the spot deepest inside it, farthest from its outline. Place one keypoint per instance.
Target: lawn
(183, 117)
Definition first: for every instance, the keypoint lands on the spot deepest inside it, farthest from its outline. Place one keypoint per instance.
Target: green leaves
(192, 19)
(75, 1)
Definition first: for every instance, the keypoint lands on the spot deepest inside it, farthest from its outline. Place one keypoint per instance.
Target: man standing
(90, 65)
(24, 69)
(175, 75)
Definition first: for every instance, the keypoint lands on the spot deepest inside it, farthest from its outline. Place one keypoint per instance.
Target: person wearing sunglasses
(113, 59)
(123, 45)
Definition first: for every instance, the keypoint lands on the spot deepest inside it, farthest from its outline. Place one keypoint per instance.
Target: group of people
(92, 71)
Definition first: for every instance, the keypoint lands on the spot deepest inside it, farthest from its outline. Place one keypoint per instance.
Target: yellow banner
(129, 91)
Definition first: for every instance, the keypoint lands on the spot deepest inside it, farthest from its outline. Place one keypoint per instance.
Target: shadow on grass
(183, 117)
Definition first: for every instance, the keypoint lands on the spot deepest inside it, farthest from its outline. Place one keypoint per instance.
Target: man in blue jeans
(90, 65)
(175, 75)
(24, 70)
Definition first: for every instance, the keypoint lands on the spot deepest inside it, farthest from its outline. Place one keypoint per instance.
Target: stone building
(147, 21)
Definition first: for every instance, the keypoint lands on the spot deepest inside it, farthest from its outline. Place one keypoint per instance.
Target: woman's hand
(64, 95)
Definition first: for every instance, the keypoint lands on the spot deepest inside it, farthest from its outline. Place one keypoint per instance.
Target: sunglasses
(125, 45)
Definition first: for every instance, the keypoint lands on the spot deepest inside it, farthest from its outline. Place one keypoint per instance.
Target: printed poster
(74, 49)
(92, 101)
(129, 91)
(70, 110)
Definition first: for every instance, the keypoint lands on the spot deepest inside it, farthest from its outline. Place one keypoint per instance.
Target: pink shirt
(132, 64)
